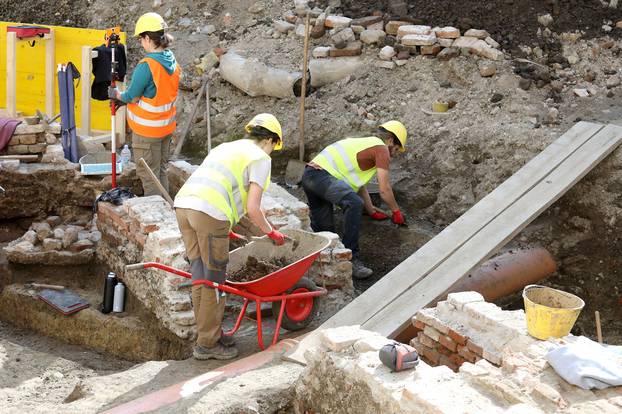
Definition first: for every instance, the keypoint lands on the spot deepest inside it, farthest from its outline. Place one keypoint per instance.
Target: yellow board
(31, 70)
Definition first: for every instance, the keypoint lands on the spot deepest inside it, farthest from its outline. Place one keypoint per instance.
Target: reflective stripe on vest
(219, 180)
(339, 160)
(155, 117)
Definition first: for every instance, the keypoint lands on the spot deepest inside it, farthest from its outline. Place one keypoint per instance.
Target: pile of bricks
(398, 40)
(30, 139)
(465, 328)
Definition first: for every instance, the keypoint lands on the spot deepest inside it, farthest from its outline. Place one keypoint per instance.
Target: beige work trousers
(207, 238)
(156, 153)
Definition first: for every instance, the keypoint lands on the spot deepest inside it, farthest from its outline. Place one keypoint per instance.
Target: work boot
(218, 351)
(359, 270)
(227, 341)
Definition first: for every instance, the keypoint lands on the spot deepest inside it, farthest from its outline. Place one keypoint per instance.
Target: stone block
(431, 355)
(445, 42)
(460, 299)
(448, 32)
(431, 50)
(419, 40)
(342, 37)
(492, 42)
(480, 34)
(489, 52)
(392, 26)
(43, 230)
(54, 154)
(59, 234)
(14, 140)
(81, 245)
(487, 69)
(352, 49)
(24, 129)
(426, 340)
(320, 52)
(467, 42)
(283, 26)
(338, 339)
(334, 22)
(372, 36)
(70, 236)
(371, 343)
(357, 29)
(386, 53)
(492, 357)
(28, 139)
(36, 148)
(411, 29)
(366, 21)
(376, 26)
(17, 150)
(50, 244)
(474, 370)
(384, 64)
(418, 324)
(40, 138)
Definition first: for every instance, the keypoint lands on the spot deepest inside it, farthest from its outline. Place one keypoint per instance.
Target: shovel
(295, 168)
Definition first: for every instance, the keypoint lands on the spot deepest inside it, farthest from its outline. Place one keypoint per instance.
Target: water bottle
(109, 285)
(126, 156)
(119, 297)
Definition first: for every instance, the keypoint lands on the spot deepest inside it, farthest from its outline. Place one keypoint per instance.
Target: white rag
(587, 364)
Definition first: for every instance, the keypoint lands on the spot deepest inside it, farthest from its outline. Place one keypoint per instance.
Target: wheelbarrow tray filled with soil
(286, 264)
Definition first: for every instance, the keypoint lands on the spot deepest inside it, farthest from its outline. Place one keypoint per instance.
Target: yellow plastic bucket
(551, 313)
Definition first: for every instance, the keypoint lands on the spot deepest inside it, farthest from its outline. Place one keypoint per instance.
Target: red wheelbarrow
(293, 296)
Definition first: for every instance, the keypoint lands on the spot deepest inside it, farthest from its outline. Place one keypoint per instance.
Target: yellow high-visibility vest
(339, 160)
(219, 180)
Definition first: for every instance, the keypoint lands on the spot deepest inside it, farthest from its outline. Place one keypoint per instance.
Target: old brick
(447, 33)
(456, 359)
(432, 333)
(334, 22)
(431, 356)
(36, 149)
(476, 349)
(352, 49)
(431, 50)
(411, 29)
(392, 26)
(426, 340)
(28, 139)
(489, 52)
(467, 42)
(419, 40)
(17, 149)
(447, 342)
(444, 360)
(321, 52)
(342, 254)
(24, 129)
(462, 298)
(366, 21)
(457, 337)
(443, 351)
(480, 34)
(419, 325)
(14, 140)
(81, 245)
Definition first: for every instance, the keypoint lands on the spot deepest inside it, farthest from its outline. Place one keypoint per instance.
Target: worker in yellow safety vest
(151, 99)
(337, 176)
(226, 186)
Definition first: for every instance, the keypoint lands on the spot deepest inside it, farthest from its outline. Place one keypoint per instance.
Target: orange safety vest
(155, 117)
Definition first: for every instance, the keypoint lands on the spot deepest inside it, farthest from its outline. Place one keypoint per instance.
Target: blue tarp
(66, 77)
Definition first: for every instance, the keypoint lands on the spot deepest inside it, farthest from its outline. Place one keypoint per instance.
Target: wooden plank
(428, 257)
(496, 234)
(11, 74)
(85, 99)
(50, 57)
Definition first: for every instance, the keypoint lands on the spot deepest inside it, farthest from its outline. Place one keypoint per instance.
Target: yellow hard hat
(399, 130)
(149, 22)
(269, 122)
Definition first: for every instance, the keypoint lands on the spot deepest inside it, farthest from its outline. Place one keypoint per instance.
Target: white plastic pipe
(256, 78)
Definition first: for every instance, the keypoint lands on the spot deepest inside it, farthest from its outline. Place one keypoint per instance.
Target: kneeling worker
(226, 186)
(337, 176)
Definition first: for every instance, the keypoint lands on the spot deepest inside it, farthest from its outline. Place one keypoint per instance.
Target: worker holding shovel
(337, 176)
(151, 99)
(226, 186)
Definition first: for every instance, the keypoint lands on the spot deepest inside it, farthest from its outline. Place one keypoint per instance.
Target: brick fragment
(411, 29)
(366, 21)
(456, 359)
(337, 21)
(443, 351)
(426, 340)
(480, 34)
(352, 49)
(419, 40)
(81, 245)
(462, 298)
(457, 337)
(431, 50)
(447, 33)
(432, 333)
(419, 325)
(476, 349)
(342, 254)
(469, 356)
(448, 343)
(445, 42)
(431, 356)
(444, 360)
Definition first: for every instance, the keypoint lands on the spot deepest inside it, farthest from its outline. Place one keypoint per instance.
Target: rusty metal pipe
(506, 274)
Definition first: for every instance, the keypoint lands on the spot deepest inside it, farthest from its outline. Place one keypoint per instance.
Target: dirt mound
(510, 22)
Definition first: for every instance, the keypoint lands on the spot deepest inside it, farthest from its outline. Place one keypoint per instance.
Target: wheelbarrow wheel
(298, 313)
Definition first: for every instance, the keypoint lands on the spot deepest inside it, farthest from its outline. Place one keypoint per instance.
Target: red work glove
(398, 218)
(377, 215)
(277, 237)
(236, 236)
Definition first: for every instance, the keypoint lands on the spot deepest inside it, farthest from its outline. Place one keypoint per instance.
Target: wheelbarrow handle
(135, 266)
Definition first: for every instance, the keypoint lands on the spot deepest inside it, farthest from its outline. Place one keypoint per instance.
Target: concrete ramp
(474, 237)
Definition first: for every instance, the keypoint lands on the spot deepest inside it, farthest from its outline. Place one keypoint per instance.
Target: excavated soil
(255, 269)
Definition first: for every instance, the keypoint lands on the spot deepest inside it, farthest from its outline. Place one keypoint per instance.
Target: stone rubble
(344, 373)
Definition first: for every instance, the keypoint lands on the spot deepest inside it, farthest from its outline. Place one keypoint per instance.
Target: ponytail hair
(159, 38)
